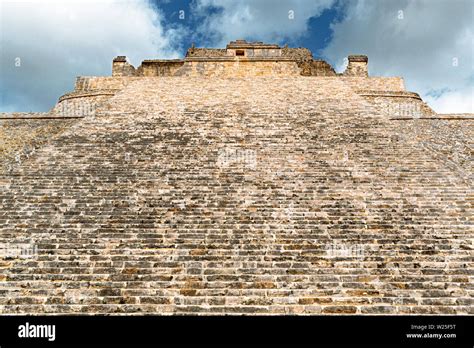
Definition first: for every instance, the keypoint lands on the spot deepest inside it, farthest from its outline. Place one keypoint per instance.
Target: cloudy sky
(45, 44)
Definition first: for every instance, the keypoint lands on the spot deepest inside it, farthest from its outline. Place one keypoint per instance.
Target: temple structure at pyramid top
(241, 58)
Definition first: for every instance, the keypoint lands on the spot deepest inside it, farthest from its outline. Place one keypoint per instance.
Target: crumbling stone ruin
(247, 180)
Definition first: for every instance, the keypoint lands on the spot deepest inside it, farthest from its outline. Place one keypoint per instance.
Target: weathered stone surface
(263, 195)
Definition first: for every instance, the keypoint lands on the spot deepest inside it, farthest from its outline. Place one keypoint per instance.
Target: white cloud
(453, 101)
(265, 20)
(421, 44)
(58, 40)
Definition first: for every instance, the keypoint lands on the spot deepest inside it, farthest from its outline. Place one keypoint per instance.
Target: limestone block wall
(94, 83)
(374, 83)
(121, 67)
(388, 95)
(266, 61)
(202, 67)
(316, 68)
(22, 134)
(398, 103)
(81, 104)
(89, 93)
(357, 66)
(159, 67)
(299, 54)
(255, 52)
(239, 68)
(448, 141)
(206, 52)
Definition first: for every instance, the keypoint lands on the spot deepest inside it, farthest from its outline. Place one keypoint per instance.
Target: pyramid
(247, 180)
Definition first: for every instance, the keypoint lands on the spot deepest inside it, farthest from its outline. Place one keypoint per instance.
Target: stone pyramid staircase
(237, 196)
